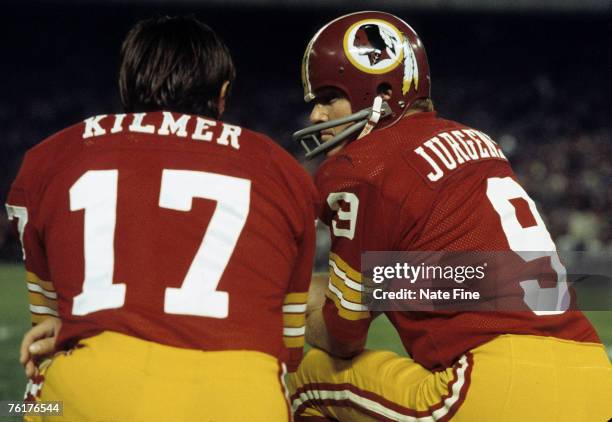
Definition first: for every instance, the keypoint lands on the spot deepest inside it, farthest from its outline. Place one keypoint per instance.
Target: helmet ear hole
(384, 89)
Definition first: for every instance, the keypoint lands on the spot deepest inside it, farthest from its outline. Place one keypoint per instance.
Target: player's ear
(386, 95)
(223, 96)
(385, 92)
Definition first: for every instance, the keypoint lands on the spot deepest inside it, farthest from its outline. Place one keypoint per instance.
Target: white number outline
(232, 194)
(96, 193)
(333, 200)
(530, 244)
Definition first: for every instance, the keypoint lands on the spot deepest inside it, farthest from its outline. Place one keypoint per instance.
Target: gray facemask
(364, 120)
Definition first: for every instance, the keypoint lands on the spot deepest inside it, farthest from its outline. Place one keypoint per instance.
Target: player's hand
(316, 293)
(38, 343)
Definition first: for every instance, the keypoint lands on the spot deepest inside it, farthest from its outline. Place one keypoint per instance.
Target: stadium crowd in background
(550, 114)
(560, 149)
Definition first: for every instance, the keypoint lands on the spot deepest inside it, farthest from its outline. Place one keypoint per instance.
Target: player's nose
(319, 114)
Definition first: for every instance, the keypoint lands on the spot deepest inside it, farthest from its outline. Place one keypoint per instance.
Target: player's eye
(325, 99)
(328, 97)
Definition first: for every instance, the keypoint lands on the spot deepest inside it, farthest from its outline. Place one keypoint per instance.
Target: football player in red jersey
(399, 178)
(176, 249)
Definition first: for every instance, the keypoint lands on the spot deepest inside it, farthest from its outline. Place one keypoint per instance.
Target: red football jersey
(172, 228)
(428, 184)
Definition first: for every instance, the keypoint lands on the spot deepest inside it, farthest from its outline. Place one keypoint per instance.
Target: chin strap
(373, 118)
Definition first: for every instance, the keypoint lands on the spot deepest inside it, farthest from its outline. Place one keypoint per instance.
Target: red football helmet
(363, 54)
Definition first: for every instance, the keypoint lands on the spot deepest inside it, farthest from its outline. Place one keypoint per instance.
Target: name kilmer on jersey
(204, 130)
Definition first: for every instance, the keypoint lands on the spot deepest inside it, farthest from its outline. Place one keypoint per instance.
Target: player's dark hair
(176, 64)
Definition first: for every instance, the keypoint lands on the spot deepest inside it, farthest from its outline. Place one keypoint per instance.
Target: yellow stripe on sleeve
(348, 293)
(296, 298)
(346, 313)
(40, 300)
(294, 320)
(33, 278)
(348, 270)
(291, 342)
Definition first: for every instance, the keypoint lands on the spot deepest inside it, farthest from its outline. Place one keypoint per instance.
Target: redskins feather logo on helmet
(362, 54)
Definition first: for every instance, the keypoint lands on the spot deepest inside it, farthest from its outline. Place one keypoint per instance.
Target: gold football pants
(114, 377)
(512, 378)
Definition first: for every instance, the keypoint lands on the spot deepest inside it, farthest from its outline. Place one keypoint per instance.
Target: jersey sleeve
(353, 230)
(294, 304)
(21, 211)
(304, 196)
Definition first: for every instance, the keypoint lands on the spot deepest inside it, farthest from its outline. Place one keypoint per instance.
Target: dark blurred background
(536, 76)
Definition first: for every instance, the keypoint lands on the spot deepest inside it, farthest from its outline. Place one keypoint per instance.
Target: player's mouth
(326, 135)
